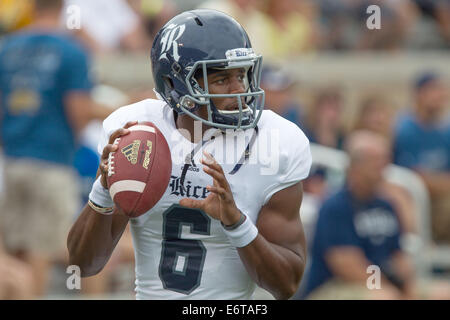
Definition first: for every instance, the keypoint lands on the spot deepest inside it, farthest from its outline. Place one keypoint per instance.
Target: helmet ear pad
(170, 95)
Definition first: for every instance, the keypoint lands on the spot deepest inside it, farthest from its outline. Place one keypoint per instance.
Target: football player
(222, 226)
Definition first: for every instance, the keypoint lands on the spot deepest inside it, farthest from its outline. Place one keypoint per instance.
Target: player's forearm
(92, 239)
(272, 267)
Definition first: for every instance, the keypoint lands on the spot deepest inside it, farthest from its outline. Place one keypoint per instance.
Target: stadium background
(409, 42)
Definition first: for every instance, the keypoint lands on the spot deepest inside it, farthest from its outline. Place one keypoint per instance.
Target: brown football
(139, 170)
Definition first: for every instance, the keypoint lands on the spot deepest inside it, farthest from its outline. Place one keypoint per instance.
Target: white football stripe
(142, 128)
(126, 185)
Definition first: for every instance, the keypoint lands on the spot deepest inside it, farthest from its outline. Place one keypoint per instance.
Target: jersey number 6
(182, 260)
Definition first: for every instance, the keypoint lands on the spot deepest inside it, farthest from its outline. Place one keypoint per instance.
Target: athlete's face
(372, 163)
(231, 81)
(432, 98)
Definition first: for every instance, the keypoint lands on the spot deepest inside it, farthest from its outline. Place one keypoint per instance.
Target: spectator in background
(357, 228)
(45, 102)
(376, 115)
(108, 25)
(15, 14)
(154, 13)
(344, 24)
(439, 12)
(279, 29)
(335, 17)
(422, 143)
(397, 20)
(244, 11)
(278, 86)
(324, 123)
(16, 280)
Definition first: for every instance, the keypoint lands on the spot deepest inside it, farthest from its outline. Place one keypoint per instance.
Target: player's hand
(220, 203)
(111, 147)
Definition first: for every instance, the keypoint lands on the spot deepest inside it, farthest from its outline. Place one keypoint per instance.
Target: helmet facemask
(250, 109)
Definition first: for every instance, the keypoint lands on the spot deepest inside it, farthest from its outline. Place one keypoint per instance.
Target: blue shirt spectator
(37, 70)
(293, 114)
(344, 221)
(45, 102)
(279, 88)
(324, 121)
(418, 146)
(339, 139)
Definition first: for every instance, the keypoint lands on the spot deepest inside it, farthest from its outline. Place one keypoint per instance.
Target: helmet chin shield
(250, 103)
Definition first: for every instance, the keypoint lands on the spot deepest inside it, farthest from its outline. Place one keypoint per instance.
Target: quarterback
(222, 227)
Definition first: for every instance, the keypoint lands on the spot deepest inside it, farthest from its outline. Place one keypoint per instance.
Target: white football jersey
(183, 253)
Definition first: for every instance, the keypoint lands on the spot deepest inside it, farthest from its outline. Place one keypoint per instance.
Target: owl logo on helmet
(191, 45)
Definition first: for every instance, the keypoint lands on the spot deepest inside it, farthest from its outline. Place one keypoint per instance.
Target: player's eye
(219, 81)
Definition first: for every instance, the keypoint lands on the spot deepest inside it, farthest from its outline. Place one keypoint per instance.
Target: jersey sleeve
(146, 110)
(295, 160)
(104, 137)
(114, 121)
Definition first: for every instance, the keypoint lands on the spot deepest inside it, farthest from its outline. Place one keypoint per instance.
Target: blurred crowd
(278, 28)
(416, 136)
(368, 219)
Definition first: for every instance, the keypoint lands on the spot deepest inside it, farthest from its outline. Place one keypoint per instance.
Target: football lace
(111, 160)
